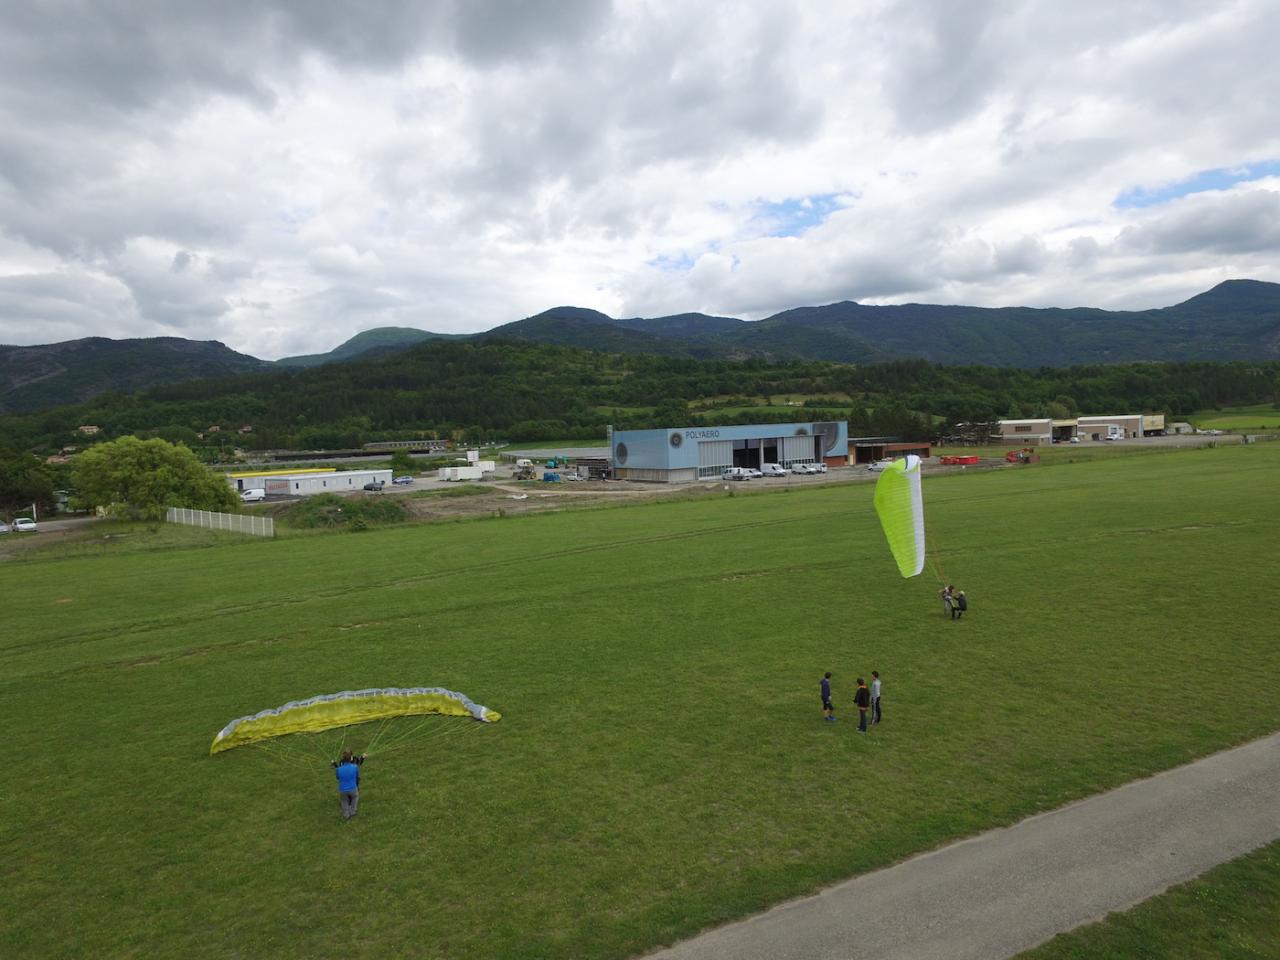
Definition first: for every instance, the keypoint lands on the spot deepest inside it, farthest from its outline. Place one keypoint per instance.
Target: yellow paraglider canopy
(900, 506)
(344, 709)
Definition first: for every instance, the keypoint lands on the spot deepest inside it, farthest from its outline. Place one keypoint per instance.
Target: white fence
(234, 522)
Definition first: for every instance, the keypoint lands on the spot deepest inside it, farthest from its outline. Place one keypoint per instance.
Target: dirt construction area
(441, 500)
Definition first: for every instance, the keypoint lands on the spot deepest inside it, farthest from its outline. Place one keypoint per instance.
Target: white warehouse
(305, 483)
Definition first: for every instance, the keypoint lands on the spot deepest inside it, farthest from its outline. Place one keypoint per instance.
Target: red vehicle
(958, 461)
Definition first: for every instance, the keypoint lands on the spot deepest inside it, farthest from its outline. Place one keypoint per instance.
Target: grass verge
(1230, 913)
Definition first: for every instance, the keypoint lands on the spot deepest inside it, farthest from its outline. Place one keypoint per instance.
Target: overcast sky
(282, 176)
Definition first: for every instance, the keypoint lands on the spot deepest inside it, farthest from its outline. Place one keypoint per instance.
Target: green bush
(353, 513)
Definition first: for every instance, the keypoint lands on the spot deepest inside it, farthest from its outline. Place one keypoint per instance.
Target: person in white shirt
(875, 696)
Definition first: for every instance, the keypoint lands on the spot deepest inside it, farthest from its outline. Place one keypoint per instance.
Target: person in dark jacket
(862, 699)
(959, 604)
(828, 711)
(347, 770)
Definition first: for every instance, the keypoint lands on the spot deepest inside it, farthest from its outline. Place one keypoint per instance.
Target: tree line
(519, 390)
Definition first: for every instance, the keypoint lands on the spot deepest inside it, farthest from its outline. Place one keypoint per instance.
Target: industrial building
(684, 454)
(1034, 431)
(305, 483)
(1129, 424)
(1108, 427)
(864, 450)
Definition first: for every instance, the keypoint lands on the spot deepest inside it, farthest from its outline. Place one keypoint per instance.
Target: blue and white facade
(686, 454)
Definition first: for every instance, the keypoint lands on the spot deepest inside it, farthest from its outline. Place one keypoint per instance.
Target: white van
(253, 496)
(772, 470)
(736, 473)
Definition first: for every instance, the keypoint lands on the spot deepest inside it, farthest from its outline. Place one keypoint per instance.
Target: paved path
(1010, 889)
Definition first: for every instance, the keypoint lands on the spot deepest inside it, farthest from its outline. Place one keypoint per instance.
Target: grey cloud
(488, 31)
(180, 302)
(948, 62)
(1024, 255)
(49, 307)
(625, 106)
(1234, 223)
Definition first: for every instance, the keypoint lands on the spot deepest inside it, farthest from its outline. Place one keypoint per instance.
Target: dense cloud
(282, 175)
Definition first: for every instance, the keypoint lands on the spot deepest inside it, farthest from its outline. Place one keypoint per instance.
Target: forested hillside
(515, 390)
(1236, 320)
(32, 378)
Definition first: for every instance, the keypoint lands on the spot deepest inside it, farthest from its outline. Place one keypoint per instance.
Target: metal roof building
(684, 454)
(302, 483)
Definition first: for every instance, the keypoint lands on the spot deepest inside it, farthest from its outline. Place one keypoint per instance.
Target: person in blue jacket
(828, 712)
(348, 771)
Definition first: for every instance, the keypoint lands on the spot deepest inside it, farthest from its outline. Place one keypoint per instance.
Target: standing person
(828, 711)
(863, 700)
(875, 697)
(961, 603)
(945, 593)
(347, 770)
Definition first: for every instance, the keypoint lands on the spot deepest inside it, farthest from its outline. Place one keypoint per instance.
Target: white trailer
(460, 473)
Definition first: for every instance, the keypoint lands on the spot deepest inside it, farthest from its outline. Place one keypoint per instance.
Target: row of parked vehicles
(771, 470)
(19, 525)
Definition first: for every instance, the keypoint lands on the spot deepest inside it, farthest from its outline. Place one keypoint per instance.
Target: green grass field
(661, 765)
(1228, 914)
(1263, 416)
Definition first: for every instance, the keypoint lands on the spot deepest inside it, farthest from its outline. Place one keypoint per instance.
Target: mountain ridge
(1234, 320)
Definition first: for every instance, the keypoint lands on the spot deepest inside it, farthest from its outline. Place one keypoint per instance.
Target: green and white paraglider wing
(900, 506)
(345, 709)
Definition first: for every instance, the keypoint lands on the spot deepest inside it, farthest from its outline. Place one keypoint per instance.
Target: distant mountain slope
(32, 378)
(379, 340)
(1236, 320)
(591, 330)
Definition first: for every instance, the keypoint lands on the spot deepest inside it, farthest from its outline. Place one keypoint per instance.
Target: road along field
(661, 764)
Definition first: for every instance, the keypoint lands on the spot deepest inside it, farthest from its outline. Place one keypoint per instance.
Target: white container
(460, 473)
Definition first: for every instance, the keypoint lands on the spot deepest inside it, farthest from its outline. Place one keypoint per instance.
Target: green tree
(24, 480)
(401, 462)
(143, 477)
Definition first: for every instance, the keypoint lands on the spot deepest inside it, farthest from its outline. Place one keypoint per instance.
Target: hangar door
(713, 457)
(797, 450)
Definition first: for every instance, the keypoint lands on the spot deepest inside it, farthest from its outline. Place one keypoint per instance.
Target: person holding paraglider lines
(900, 505)
(300, 720)
(347, 770)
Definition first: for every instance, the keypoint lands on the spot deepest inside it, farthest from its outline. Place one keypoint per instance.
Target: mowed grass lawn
(1262, 416)
(661, 764)
(1227, 914)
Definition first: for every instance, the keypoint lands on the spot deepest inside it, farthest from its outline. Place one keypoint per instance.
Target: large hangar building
(684, 454)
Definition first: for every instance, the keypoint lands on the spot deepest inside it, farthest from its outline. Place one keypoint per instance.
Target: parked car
(1074, 440)
(253, 496)
(374, 485)
(24, 525)
(773, 470)
(405, 479)
(736, 473)
(755, 474)
(4, 527)
(800, 467)
(818, 468)
(879, 466)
